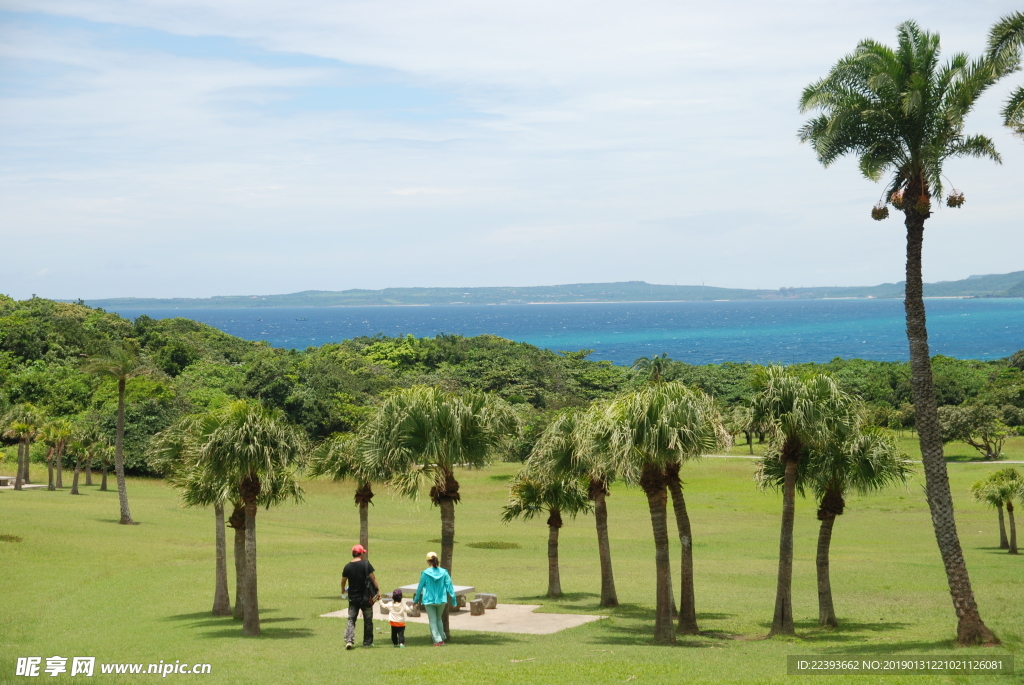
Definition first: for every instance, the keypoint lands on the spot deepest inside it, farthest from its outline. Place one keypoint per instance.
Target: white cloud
(237, 147)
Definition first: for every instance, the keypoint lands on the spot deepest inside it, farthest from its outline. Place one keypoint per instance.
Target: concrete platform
(26, 486)
(507, 618)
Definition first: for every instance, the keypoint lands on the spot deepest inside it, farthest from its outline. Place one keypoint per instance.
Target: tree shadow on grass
(228, 627)
(544, 599)
(117, 521)
(475, 639)
(204, 619)
(265, 633)
(710, 616)
(643, 636)
(847, 631)
(904, 647)
(569, 602)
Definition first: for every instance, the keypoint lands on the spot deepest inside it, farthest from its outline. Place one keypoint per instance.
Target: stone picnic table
(460, 590)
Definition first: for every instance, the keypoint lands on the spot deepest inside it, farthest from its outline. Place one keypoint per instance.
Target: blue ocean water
(785, 331)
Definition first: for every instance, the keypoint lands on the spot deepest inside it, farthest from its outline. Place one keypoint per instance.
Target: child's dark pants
(397, 635)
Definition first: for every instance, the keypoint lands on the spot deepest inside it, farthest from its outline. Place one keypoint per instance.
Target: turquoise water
(696, 332)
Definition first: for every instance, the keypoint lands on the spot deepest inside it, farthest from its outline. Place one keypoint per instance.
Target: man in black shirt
(362, 588)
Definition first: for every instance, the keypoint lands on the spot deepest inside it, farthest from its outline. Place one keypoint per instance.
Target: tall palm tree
(55, 434)
(801, 413)
(645, 431)
(23, 423)
(420, 434)
(251, 448)
(177, 453)
(120, 363)
(536, 490)
(687, 624)
(567, 448)
(868, 460)
(339, 458)
(902, 113)
(1004, 47)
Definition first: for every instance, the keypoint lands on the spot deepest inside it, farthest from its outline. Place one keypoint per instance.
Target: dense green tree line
(332, 389)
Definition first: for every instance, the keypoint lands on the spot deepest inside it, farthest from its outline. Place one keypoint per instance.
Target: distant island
(991, 285)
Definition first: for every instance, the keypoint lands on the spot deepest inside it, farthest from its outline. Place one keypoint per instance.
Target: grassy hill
(992, 285)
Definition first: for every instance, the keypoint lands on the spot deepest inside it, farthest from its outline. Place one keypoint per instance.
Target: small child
(398, 612)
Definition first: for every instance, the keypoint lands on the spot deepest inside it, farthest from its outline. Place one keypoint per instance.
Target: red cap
(358, 549)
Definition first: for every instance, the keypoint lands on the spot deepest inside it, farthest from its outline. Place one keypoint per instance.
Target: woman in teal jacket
(434, 590)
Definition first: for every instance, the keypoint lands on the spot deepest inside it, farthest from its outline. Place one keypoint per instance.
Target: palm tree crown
(1004, 47)
(901, 112)
(419, 435)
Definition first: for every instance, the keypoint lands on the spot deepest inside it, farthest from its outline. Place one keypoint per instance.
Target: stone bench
(490, 600)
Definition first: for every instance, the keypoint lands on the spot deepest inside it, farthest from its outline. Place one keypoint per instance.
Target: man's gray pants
(350, 629)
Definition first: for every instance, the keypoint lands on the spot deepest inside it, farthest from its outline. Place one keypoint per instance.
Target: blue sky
(186, 148)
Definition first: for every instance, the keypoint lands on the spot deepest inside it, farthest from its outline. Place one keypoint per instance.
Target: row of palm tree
(81, 440)
(818, 442)
(25, 423)
(999, 490)
(245, 456)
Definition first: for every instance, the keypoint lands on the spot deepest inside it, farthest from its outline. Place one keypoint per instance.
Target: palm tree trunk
(221, 598)
(251, 622)
(103, 481)
(826, 610)
(237, 522)
(28, 460)
(364, 525)
(74, 482)
(687, 600)
(554, 581)
(88, 471)
(608, 596)
(970, 628)
(49, 470)
(653, 482)
(1013, 527)
(782, 621)
(447, 547)
(60, 465)
(20, 473)
(122, 490)
(363, 498)
(1004, 543)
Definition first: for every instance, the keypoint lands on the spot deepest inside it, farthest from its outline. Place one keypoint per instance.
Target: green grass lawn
(1013, 450)
(78, 584)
